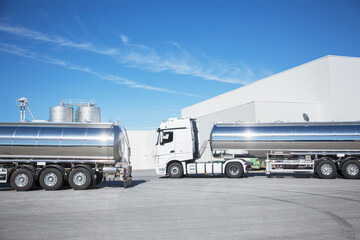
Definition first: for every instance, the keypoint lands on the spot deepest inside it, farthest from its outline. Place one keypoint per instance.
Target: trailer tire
(51, 179)
(79, 178)
(326, 169)
(234, 170)
(351, 169)
(22, 179)
(175, 170)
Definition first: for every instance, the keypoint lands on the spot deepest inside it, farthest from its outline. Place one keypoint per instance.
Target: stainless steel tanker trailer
(54, 154)
(323, 148)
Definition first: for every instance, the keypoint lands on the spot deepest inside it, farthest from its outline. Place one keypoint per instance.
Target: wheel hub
(50, 179)
(234, 170)
(79, 178)
(21, 180)
(175, 170)
(326, 169)
(352, 169)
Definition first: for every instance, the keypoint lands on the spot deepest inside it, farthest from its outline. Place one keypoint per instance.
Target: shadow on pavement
(113, 184)
(5, 187)
(120, 184)
(254, 174)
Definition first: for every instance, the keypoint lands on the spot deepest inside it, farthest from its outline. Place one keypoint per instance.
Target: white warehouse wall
(286, 111)
(142, 149)
(345, 85)
(306, 83)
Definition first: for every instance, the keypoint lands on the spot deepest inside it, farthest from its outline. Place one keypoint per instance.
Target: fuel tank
(258, 139)
(80, 142)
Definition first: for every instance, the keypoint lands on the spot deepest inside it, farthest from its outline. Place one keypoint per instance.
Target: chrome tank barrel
(59, 142)
(258, 139)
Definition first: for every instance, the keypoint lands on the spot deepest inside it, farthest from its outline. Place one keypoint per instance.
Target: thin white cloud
(140, 56)
(34, 35)
(186, 64)
(15, 50)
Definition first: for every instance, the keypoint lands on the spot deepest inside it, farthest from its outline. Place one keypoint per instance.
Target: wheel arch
(342, 161)
(324, 159)
(90, 169)
(183, 164)
(32, 169)
(58, 167)
(238, 160)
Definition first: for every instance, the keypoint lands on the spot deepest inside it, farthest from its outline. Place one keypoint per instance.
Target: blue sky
(143, 61)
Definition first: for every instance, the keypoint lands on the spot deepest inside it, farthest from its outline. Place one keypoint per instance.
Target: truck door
(165, 147)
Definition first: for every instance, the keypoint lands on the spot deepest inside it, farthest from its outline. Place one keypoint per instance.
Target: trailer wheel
(326, 169)
(175, 170)
(79, 178)
(234, 170)
(351, 169)
(51, 179)
(22, 180)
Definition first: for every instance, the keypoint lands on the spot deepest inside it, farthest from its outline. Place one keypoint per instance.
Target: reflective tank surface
(61, 114)
(95, 142)
(89, 114)
(261, 138)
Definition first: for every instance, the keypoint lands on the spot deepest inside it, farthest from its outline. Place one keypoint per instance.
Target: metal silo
(88, 114)
(61, 114)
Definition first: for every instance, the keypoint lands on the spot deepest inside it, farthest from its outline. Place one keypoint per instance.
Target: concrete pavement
(253, 207)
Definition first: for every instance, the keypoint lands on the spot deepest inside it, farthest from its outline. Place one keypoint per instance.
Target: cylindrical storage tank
(88, 114)
(61, 114)
(260, 139)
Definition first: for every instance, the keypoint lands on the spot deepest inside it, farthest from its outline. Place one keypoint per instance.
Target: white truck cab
(177, 148)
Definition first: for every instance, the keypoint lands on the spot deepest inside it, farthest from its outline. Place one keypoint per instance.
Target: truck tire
(234, 170)
(79, 178)
(326, 169)
(22, 179)
(175, 170)
(51, 179)
(351, 169)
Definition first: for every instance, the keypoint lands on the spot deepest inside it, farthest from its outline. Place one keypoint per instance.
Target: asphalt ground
(253, 207)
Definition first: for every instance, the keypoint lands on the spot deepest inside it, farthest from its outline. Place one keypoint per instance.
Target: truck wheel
(22, 180)
(175, 170)
(326, 169)
(80, 178)
(234, 170)
(51, 179)
(351, 169)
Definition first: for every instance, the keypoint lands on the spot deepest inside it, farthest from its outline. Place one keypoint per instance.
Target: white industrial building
(326, 89)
